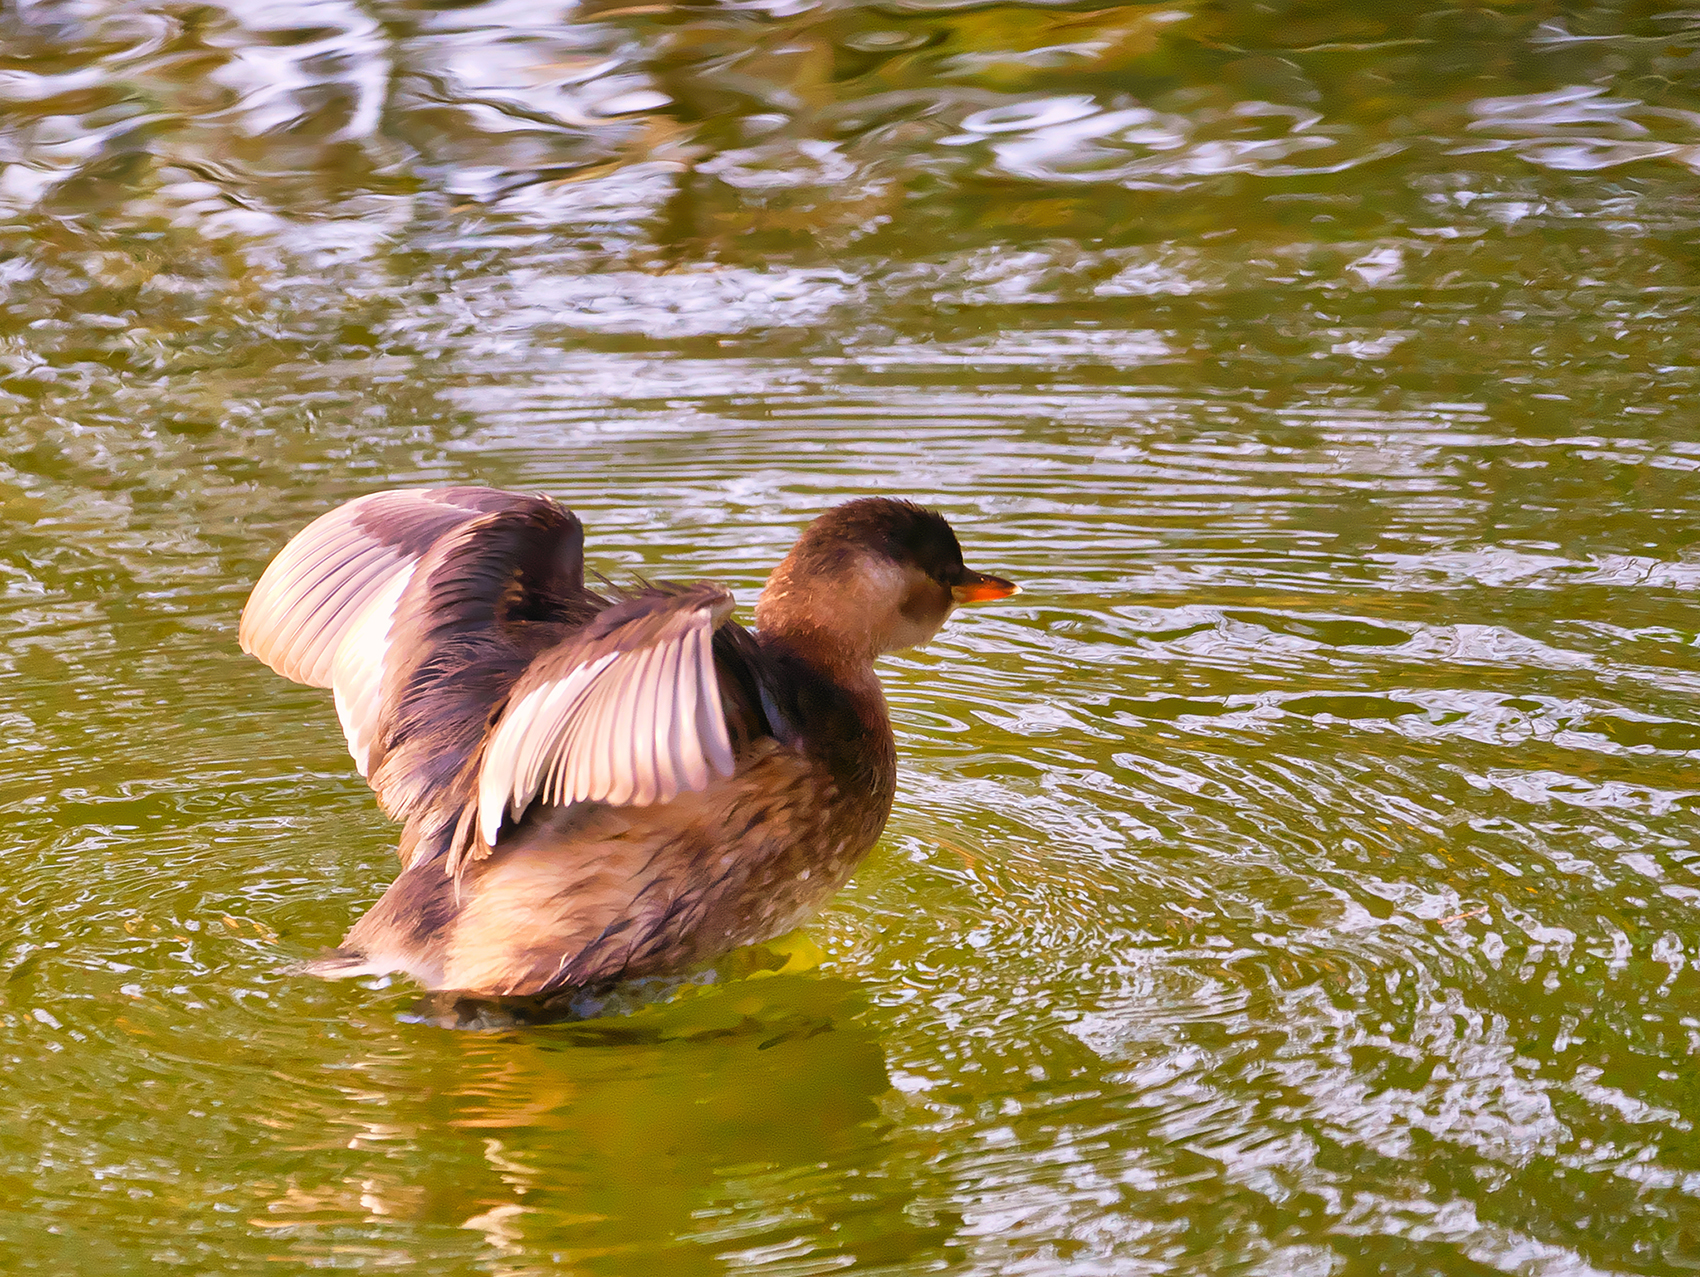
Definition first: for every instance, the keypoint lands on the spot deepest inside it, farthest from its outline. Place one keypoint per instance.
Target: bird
(595, 787)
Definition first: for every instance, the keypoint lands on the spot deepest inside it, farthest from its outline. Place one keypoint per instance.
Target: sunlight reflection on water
(1297, 878)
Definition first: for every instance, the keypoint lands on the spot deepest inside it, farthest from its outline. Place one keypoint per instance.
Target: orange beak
(978, 588)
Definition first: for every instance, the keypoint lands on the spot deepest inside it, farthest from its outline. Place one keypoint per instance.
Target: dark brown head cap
(907, 534)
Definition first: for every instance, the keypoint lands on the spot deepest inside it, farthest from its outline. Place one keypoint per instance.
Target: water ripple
(1299, 877)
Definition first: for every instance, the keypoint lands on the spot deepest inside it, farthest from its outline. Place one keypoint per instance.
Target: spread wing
(323, 612)
(627, 713)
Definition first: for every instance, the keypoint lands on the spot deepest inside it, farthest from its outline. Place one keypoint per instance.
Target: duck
(595, 787)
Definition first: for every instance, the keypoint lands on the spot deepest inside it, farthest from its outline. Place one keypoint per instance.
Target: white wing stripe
(310, 596)
(599, 742)
(357, 673)
(678, 749)
(542, 756)
(583, 724)
(523, 751)
(306, 586)
(685, 708)
(645, 784)
(314, 653)
(629, 727)
(665, 723)
(626, 740)
(639, 784)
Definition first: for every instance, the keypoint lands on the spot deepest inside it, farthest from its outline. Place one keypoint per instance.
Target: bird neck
(834, 702)
(821, 653)
(822, 622)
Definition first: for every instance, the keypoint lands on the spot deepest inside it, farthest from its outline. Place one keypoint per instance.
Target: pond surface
(1299, 878)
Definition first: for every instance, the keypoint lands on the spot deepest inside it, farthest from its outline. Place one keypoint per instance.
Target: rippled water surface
(1299, 878)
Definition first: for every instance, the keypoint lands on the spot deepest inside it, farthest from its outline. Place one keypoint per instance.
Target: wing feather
(358, 674)
(645, 782)
(678, 723)
(300, 620)
(321, 635)
(314, 590)
(625, 740)
(629, 716)
(325, 610)
(711, 714)
(686, 736)
(330, 587)
(664, 724)
(596, 739)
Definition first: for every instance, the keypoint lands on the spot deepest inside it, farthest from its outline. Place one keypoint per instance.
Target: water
(1299, 878)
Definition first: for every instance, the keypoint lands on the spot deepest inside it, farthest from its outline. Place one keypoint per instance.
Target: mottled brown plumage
(597, 788)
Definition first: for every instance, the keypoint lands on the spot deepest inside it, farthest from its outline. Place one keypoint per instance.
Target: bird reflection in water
(683, 1127)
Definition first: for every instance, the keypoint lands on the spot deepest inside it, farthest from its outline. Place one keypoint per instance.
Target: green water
(1298, 878)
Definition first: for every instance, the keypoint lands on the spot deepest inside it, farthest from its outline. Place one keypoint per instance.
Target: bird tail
(340, 964)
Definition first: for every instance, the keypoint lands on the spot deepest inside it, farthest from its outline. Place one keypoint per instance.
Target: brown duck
(595, 788)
